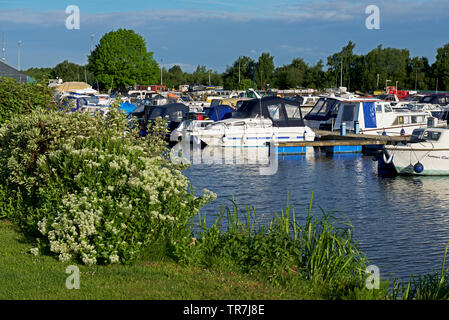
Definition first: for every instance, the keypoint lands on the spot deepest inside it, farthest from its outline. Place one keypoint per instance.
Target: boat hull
(434, 162)
(254, 139)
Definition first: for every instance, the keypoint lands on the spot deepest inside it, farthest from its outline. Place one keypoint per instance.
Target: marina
(400, 222)
(159, 165)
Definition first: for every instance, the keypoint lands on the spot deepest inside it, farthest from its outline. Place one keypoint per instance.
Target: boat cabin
(372, 115)
(283, 112)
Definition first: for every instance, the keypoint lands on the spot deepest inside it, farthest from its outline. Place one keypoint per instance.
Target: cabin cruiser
(426, 154)
(433, 103)
(193, 122)
(258, 122)
(369, 116)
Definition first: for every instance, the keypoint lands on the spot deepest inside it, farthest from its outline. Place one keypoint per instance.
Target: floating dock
(334, 142)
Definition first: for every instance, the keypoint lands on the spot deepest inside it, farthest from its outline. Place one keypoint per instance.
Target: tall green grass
(284, 250)
(434, 286)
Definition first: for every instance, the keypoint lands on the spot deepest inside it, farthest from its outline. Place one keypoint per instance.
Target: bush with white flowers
(88, 189)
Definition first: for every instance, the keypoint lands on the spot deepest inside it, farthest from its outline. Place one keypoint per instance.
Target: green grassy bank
(24, 276)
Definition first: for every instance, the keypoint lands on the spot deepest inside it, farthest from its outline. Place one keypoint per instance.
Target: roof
(72, 86)
(10, 72)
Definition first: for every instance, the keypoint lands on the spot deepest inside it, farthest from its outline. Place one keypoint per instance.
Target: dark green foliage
(18, 98)
(121, 60)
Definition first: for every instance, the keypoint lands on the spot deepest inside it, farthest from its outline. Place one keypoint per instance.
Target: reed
(281, 250)
(434, 286)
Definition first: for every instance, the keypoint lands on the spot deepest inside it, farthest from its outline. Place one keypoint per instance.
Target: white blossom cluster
(102, 195)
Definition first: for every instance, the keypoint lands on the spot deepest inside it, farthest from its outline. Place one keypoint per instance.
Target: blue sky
(215, 32)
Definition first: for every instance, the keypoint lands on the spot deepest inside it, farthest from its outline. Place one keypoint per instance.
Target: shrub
(88, 189)
(19, 98)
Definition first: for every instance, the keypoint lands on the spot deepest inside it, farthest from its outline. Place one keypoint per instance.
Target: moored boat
(426, 154)
(258, 122)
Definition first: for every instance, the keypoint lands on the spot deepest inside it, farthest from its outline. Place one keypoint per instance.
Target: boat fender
(418, 167)
(223, 139)
(387, 161)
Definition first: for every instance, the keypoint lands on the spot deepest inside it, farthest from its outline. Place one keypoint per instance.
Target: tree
(242, 69)
(440, 68)
(121, 60)
(418, 71)
(347, 59)
(264, 71)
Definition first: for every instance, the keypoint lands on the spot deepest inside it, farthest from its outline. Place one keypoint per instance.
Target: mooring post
(343, 129)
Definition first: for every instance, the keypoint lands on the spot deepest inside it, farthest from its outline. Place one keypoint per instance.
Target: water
(401, 223)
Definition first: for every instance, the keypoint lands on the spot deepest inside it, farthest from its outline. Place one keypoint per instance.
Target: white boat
(373, 116)
(257, 123)
(188, 127)
(427, 154)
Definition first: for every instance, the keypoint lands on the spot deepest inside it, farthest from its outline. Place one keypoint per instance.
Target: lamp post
(386, 85)
(18, 54)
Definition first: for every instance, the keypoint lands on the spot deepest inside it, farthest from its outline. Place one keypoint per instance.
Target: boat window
(275, 112)
(348, 112)
(427, 99)
(442, 100)
(388, 108)
(328, 104)
(293, 112)
(406, 120)
(176, 115)
(317, 107)
(379, 108)
(432, 135)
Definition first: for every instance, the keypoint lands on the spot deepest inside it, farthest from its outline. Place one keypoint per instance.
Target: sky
(214, 33)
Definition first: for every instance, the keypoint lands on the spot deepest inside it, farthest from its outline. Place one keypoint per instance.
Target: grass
(24, 276)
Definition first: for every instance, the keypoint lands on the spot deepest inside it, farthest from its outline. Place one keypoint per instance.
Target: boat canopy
(219, 112)
(283, 112)
(323, 110)
(174, 111)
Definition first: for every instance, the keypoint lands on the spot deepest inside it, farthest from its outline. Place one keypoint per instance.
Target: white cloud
(327, 10)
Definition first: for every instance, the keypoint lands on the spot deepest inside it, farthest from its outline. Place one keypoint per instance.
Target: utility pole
(3, 47)
(239, 69)
(18, 55)
(161, 71)
(416, 79)
(436, 87)
(209, 77)
(377, 83)
(91, 43)
(341, 72)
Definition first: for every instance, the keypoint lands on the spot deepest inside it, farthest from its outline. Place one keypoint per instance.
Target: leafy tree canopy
(121, 59)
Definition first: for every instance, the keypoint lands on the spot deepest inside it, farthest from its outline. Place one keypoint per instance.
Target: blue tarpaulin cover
(369, 112)
(219, 112)
(127, 107)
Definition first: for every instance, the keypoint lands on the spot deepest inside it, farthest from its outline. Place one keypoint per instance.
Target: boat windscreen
(322, 109)
(245, 111)
(317, 107)
(426, 99)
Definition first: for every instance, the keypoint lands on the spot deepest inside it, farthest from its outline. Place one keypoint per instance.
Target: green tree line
(121, 60)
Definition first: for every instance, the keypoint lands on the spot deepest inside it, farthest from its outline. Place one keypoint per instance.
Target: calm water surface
(401, 223)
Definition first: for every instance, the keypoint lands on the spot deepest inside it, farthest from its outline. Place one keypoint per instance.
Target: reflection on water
(401, 223)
